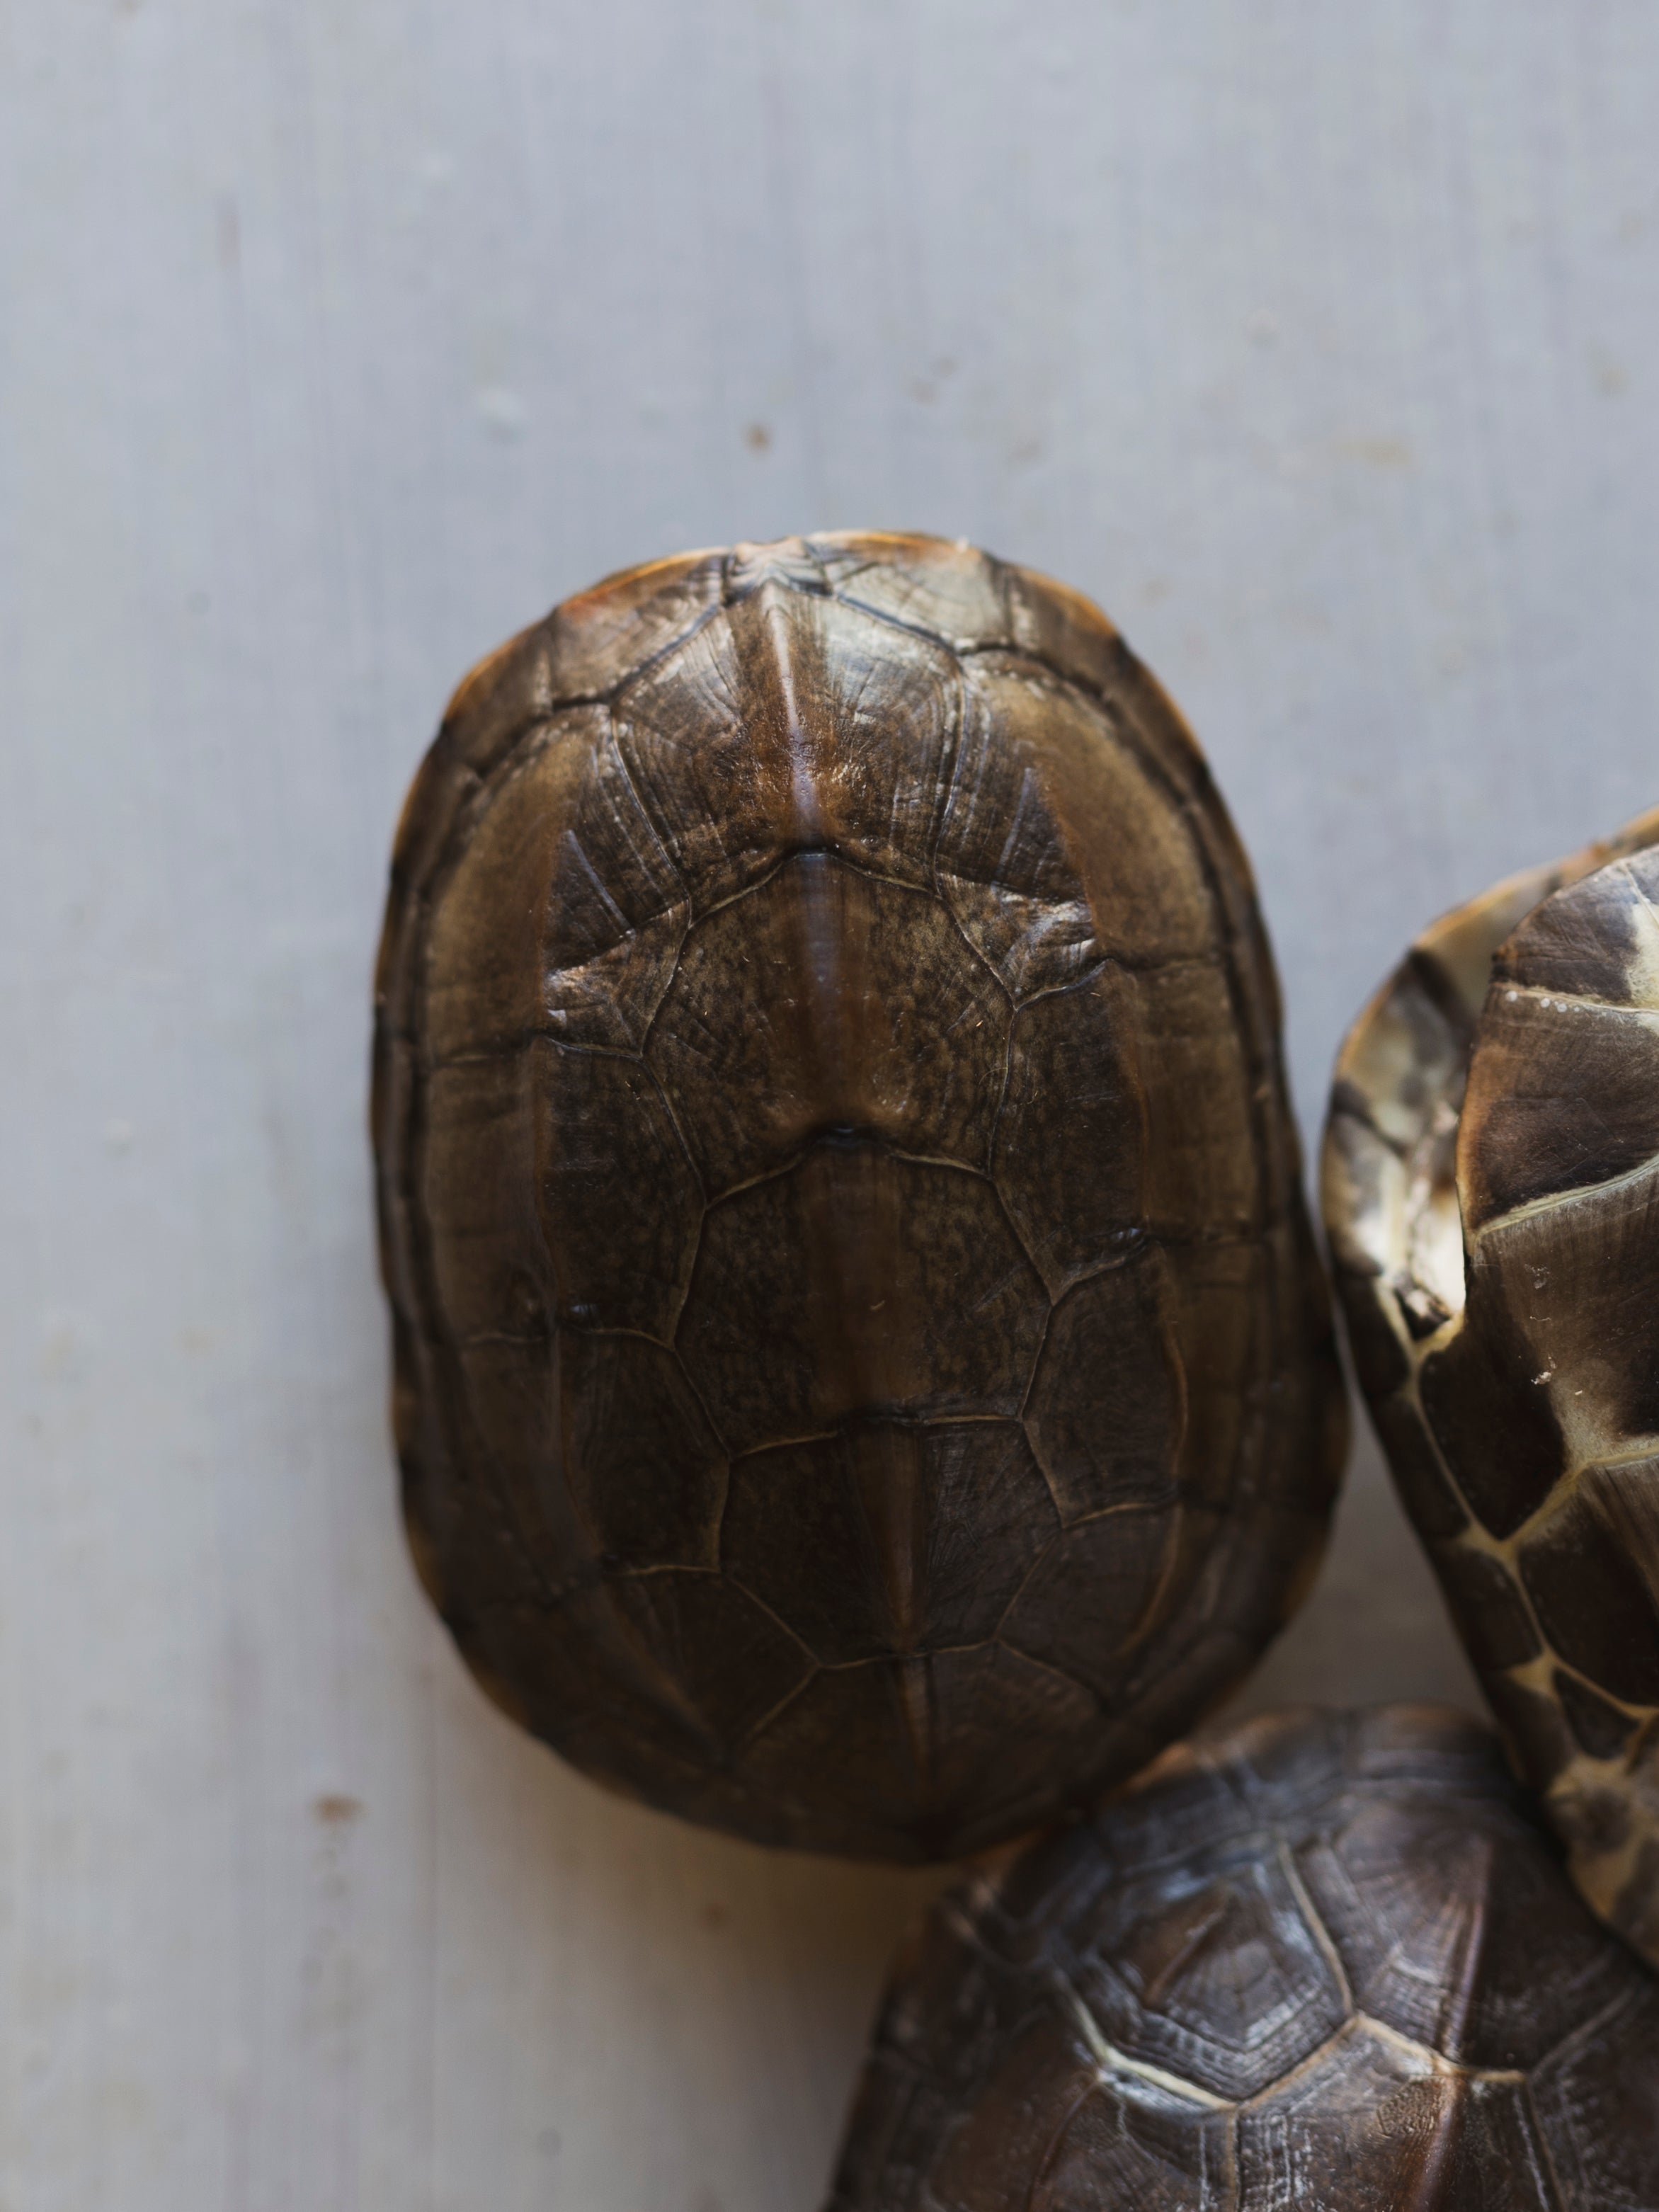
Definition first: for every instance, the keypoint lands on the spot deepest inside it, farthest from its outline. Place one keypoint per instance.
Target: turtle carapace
(863, 1377)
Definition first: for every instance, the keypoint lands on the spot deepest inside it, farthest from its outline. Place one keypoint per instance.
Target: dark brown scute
(1612, 1636)
(1330, 1962)
(1498, 1623)
(1564, 1094)
(863, 1375)
(1499, 1437)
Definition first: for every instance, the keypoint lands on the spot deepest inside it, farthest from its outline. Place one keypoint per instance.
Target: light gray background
(341, 337)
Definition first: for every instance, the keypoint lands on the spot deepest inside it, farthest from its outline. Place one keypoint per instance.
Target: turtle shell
(1491, 1191)
(1329, 1962)
(863, 1377)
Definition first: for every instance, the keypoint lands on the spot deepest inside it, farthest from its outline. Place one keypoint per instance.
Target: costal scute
(863, 1378)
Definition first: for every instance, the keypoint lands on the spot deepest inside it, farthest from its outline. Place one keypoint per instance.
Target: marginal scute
(1420, 1472)
(1600, 1728)
(1330, 1960)
(1487, 1600)
(1408, 1050)
(507, 693)
(595, 642)
(1222, 1318)
(1063, 631)
(490, 1271)
(1533, 1727)
(643, 1468)
(838, 1201)
(601, 1673)
(509, 851)
(1198, 1090)
(512, 1423)
(1613, 1639)
(1490, 1412)
(620, 1248)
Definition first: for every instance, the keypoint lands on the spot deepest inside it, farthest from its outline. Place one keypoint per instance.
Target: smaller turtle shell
(1492, 1193)
(1329, 1962)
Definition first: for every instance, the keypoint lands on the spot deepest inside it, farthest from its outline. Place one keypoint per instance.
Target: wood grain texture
(339, 341)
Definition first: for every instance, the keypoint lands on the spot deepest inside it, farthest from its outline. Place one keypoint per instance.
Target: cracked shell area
(863, 1378)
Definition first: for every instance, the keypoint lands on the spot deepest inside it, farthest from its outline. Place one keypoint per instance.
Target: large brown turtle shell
(1330, 1962)
(863, 1378)
(1491, 1192)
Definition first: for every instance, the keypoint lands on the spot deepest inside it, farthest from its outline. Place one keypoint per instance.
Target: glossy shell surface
(1330, 1963)
(862, 1375)
(1492, 1193)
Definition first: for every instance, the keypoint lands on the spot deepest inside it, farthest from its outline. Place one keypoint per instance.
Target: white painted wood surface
(340, 337)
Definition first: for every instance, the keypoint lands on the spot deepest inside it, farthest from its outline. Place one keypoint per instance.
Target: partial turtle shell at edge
(1330, 1962)
(1491, 1187)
